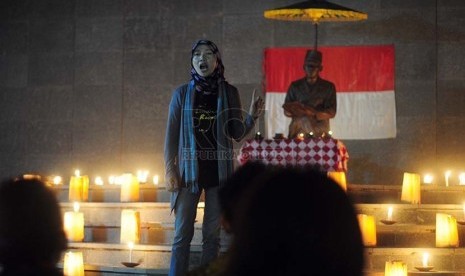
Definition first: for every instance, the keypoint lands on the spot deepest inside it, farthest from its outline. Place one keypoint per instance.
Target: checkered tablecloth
(329, 153)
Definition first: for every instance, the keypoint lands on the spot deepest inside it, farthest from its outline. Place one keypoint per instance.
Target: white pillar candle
(411, 190)
(395, 268)
(129, 188)
(74, 224)
(368, 229)
(78, 187)
(73, 264)
(339, 178)
(446, 231)
(130, 226)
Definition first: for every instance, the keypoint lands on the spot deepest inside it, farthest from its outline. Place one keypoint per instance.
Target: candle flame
(448, 173)
(390, 209)
(428, 179)
(76, 206)
(77, 173)
(156, 179)
(425, 259)
(142, 176)
(462, 178)
(98, 181)
(131, 245)
(57, 180)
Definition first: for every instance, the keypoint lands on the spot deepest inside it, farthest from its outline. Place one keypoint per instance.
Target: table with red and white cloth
(331, 154)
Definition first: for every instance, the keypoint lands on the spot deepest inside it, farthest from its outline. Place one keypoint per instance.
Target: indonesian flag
(364, 80)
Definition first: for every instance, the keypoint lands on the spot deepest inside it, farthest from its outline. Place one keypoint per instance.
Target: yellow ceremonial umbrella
(315, 11)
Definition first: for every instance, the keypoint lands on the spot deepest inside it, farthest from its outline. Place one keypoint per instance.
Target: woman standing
(205, 116)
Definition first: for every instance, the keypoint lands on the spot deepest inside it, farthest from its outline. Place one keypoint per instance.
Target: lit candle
(156, 179)
(446, 231)
(339, 178)
(130, 226)
(428, 179)
(98, 181)
(111, 179)
(57, 180)
(395, 268)
(301, 136)
(129, 188)
(131, 246)
(411, 191)
(73, 264)
(74, 224)
(447, 175)
(78, 187)
(142, 176)
(462, 178)
(425, 259)
(368, 229)
(389, 213)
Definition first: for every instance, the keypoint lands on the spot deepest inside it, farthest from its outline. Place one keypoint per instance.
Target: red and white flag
(364, 80)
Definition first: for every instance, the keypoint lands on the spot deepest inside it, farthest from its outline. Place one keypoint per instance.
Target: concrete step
(150, 257)
(155, 259)
(415, 224)
(103, 222)
(112, 193)
(421, 214)
(413, 232)
(430, 194)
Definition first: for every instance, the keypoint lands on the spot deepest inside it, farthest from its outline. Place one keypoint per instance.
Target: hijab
(208, 84)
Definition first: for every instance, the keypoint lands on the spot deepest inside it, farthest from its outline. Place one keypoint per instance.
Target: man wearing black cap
(311, 100)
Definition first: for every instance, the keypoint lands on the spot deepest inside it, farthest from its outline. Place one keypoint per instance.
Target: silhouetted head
(31, 227)
(231, 193)
(296, 222)
(314, 56)
(313, 65)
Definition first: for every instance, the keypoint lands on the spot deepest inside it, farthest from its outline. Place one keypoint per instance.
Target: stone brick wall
(86, 84)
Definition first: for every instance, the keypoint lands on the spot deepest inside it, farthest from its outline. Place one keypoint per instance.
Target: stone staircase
(406, 240)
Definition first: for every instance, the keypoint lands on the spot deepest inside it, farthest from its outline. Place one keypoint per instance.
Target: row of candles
(74, 229)
(399, 268)
(130, 186)
(446, 237)
(446, 229)
(74, 225)
(142, 177)
(446, 225)
(429, 178)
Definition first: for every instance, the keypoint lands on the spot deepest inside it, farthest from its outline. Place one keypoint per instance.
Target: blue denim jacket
(180, 159)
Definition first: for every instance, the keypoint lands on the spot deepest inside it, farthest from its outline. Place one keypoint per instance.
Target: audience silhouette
(229, 195)
(295, 221)
(31, 228)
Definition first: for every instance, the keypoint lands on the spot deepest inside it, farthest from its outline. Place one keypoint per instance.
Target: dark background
(86, 83)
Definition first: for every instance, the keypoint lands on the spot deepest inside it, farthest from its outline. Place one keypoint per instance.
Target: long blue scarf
(224, 144)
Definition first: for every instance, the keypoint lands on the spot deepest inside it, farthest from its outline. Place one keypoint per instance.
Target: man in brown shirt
(311, 100)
